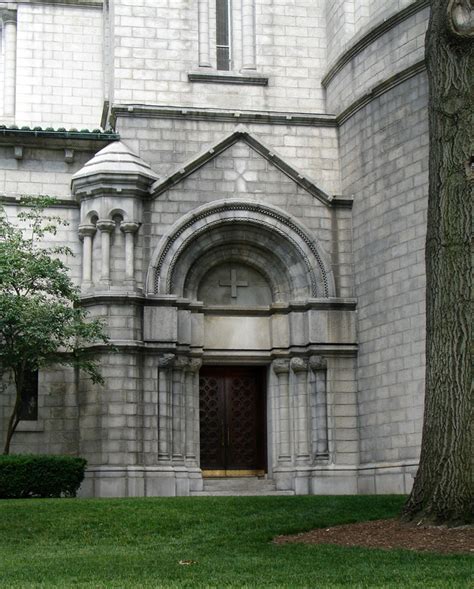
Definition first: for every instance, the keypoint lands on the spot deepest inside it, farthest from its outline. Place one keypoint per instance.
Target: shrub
(40, 476)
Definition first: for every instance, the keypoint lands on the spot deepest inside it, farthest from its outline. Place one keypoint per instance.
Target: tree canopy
(41, 321)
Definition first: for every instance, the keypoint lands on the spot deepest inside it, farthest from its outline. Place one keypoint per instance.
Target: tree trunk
(15, 416)
(443, 487)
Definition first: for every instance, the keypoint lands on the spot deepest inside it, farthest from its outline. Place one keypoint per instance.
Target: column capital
(180, 363)
(7, 15)
(105, 225)
(317, 363)
(129, 226)
(87, 229)
(194, 365)
(166, 361)
(281, 366)
(299, 364)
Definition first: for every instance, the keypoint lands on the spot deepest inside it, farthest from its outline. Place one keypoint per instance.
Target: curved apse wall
(379, 92)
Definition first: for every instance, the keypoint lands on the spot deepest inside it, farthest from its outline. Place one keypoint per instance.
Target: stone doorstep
(239, 486)
(239, 493)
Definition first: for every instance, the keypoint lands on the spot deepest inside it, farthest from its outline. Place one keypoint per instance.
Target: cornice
(372, 35)
(59, 203)
(89, 3)
(385, 86)
(222, 115)
(50, 138)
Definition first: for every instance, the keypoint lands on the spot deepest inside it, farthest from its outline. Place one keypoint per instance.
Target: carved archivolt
(267, 228)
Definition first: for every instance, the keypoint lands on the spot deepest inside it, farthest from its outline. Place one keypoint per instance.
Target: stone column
(129, 229)
(204, 44)
(318, 365)
(9, 88)
(283, 414)
(105, 226)
(191, 401)
(177, 406)
(86, 233)
(248, 35)
(301, 417)
(165, 386)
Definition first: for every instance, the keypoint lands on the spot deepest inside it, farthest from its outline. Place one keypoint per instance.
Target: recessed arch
(236, 221)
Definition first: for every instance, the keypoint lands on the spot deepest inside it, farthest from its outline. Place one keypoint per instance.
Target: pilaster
(281, 368)
(299, 366)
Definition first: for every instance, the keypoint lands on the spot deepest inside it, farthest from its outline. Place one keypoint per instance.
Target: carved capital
(7, 16)
(281, 366)
(129, 226)
(194, 365)
(87, 230)
(317, 363)
(180, 363)
(461, 17)
(166, 361)
(106, 225)
(299, 364)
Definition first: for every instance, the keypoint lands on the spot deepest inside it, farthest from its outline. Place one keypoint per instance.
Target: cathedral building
(245, 183)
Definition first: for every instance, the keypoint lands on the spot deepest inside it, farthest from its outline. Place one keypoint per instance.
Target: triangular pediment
(241, 133)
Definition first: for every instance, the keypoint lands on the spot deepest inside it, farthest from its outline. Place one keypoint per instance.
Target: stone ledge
(372, 35)
(15, 200)
(84, 140)
(217, 77)
(379, 89)
(90, 3)
(222, 115)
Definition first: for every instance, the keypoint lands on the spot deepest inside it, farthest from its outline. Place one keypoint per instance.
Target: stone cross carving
(233, 283)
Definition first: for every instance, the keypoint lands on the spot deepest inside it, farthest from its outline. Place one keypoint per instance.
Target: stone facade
(271, 215)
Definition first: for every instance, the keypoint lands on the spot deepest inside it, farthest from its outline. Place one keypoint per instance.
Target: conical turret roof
(116, 159)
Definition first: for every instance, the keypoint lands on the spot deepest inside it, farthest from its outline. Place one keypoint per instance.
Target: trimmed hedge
(24, 475)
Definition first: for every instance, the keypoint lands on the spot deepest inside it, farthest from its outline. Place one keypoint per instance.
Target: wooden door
(232, 420)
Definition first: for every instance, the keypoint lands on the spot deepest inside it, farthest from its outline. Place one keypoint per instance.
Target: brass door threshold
(233, 473)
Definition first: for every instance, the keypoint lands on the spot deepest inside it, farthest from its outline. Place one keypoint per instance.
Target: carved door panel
(232, 420)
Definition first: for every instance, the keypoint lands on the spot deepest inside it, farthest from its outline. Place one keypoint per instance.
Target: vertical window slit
(223, 48)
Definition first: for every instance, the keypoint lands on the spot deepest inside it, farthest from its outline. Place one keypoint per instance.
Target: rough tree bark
(443, 487)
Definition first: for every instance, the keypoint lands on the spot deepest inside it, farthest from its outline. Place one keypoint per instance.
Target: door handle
(228, 436)
(222, 435)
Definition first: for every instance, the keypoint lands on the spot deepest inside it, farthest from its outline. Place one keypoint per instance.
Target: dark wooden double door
(232, 420)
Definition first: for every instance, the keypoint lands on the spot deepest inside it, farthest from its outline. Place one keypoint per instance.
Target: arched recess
(293, 261)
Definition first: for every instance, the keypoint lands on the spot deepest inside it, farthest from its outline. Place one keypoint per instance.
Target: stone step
(240, 493)
(241, 486)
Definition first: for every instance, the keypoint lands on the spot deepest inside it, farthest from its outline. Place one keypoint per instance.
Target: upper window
(223, 35)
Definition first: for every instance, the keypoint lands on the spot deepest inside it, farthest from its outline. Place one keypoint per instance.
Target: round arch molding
(239, 225)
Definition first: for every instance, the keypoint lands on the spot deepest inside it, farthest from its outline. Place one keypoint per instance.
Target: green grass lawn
(138, 543)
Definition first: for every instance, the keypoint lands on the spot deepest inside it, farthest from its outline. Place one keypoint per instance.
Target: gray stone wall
(167, 143)
(384, 149)
(59, 71)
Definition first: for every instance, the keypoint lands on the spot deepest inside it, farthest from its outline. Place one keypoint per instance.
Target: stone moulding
(372, 35)
(220, 78)
(272, 219)
(241, 133)
(385, 86)
(222, 115)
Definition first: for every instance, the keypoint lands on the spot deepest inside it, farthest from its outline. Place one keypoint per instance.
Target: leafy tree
(444, 484)
(41, 322)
